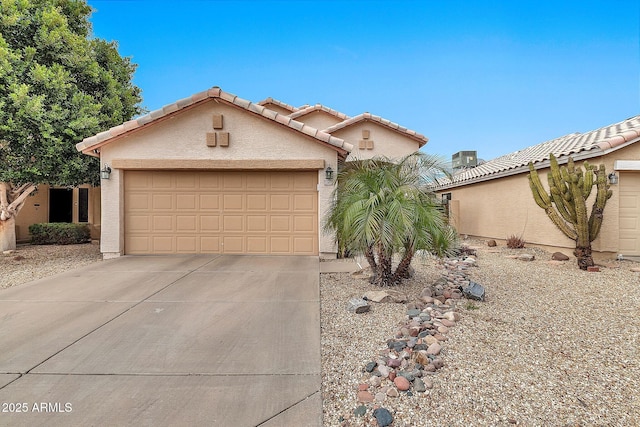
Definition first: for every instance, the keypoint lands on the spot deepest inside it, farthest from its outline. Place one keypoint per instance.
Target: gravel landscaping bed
(550, 346)
(29, 262)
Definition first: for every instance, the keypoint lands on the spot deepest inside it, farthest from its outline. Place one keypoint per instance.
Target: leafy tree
(382, 208)
(566, 202)
(58, 85)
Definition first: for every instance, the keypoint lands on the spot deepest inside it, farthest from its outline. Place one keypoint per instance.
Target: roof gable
(267, 102)
(595, 143)
(88, 145)
(318, 107)
(364, 117)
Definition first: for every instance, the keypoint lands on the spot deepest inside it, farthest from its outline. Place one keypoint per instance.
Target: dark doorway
(60, 205)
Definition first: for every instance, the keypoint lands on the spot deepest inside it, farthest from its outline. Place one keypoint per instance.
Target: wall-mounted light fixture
(105, 173)
(613, 178)
(328, 173)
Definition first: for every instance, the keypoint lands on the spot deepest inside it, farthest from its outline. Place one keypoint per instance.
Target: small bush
(515, 242)
(59, 233)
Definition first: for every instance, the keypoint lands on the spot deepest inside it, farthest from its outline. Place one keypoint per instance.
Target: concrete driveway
(166, 340)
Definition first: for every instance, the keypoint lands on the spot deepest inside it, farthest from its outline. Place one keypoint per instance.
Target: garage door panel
(186, 244)
(304, 202)
(280, 202)
(138, 201)
(209, 202)
(629, 213)
(281, 223)
(257, 223)
(186, 202)
(209, 223)
(162, 202)
(257, 245)
(281, 245)
(162, 244)
(233, 223)
(306, 223)
(210, 244)
(257, 202)
(232, 202)
(186, 223)
(162, 223)
(221, 212)
(233, 245)
(161, 180)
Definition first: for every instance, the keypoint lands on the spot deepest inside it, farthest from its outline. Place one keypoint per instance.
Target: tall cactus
(566, 202)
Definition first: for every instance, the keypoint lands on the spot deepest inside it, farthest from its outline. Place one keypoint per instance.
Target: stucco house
(214, 173)
(493, 200)
(79, 205)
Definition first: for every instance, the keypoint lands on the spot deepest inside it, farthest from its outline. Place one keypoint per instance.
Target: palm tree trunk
(384, 275)
(402, 271)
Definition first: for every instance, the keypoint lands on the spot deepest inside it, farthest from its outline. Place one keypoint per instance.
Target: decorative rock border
(412, 356)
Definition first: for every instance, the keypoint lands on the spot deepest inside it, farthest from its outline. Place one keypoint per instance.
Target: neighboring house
(214, 173)
(494, 200)
(53, 204)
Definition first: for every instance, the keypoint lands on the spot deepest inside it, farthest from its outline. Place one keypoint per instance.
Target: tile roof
(581, 145)
(422, 140)
(88, 145)
(317, 107)
(280, 104)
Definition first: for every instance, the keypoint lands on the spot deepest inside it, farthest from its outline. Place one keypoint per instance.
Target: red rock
(363, 387)
(402, 383)
(593, 269)
(392, 375)
(365, 396)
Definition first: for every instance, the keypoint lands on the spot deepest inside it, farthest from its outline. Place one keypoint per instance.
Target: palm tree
(381, 207)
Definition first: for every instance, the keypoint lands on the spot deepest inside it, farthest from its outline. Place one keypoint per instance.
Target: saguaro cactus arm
(603, 193)
(544, 201)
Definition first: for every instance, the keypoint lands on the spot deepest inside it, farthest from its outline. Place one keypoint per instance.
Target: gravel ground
(551, 346)
(29, 263)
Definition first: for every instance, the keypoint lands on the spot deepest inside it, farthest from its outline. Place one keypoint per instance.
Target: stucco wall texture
(503, 207)
(183, 136)
(386, 142)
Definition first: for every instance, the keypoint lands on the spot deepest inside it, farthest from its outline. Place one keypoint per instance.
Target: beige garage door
(629, 213)
(221, 212)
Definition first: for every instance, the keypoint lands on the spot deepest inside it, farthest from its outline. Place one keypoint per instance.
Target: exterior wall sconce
(328, 174)
(105, 173)
(613, 178)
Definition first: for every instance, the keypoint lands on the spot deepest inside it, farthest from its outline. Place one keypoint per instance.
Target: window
(83, 205)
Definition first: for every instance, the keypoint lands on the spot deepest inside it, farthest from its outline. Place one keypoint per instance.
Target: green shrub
(515, 242)
(59, 233)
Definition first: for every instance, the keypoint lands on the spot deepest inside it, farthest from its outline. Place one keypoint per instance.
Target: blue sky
(494, 76)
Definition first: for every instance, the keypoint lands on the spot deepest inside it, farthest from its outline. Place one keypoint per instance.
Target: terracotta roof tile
(89, 144)
(422, 140)
(317, 107)
(280, 104)
(591, 144)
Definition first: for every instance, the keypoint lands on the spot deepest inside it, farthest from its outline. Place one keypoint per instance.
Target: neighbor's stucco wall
(386, 142)
(319, 119)
(502, 207)
(184, 137)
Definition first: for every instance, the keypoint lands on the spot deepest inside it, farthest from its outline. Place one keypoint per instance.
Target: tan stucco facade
(501, 207)
(36, 211)
(180, 142)
(370, 139)
(319, 119)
